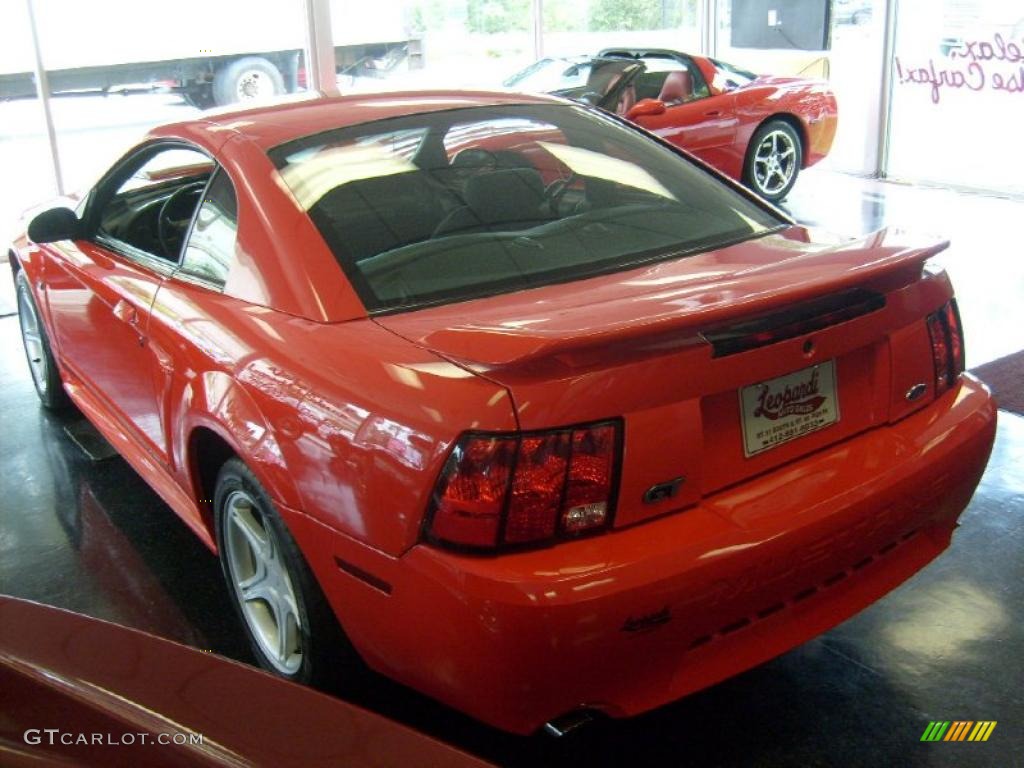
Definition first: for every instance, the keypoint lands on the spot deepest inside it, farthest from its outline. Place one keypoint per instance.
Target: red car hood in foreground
(85, 677)
(681, 297)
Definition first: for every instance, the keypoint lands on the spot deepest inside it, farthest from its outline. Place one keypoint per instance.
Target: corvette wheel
(45, 375)
(290, 626)
(773, 160)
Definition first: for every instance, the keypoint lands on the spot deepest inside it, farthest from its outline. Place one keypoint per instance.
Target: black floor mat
(1005, 377)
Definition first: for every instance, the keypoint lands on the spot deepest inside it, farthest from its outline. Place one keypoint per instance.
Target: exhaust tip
(566, 724)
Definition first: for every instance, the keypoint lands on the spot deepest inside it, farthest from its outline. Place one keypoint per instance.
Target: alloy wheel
(774, 162)
(263, 586)
(32, 337)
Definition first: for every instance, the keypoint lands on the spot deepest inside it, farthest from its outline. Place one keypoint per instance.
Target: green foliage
(496, 16)
(565, 16)
(491, 16)
(623, 15)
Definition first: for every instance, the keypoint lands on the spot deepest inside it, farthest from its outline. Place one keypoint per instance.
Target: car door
(101, 289)
(697, 120)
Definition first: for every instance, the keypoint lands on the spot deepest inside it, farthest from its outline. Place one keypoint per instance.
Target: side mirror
(646, 108)
(54, 225)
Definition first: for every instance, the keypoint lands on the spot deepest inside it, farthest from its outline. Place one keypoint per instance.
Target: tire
(251, 78)
(199, 96)
(38, 355)
(775, 140)
(314, 650)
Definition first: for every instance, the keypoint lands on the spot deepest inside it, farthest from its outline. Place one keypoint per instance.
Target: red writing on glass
(970, 69)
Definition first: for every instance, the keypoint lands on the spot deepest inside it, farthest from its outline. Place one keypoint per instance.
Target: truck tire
(250, 78)
(199, 96)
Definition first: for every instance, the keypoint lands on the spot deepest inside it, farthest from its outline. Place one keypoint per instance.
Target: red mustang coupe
(760, 130)
(510, 401)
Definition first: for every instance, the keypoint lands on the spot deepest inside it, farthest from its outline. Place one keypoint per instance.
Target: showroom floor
(91, 537)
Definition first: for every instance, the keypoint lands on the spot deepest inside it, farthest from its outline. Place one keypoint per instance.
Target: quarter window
(211, 246)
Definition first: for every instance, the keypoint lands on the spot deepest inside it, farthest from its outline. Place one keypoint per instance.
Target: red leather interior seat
(678, 88)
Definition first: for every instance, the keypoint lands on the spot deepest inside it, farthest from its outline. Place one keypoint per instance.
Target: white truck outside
(213, 52)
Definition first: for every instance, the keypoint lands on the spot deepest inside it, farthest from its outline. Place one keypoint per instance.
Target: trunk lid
(671, 347)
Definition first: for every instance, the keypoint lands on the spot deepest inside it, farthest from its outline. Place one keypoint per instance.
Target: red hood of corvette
(672, 300)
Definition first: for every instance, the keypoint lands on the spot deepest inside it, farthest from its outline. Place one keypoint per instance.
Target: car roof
(294, 117)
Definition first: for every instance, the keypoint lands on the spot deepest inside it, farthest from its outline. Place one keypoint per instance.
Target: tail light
(947, 345)
(510, 490)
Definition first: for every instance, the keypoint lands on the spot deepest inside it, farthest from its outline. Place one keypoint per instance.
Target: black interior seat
(510, 198)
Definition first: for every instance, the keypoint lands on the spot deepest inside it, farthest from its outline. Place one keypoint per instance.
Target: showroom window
(844, 46)
(112, 78)
(954, 60)
(959, 76)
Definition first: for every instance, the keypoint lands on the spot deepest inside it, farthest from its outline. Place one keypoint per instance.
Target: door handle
(126, 312)
(713, 113)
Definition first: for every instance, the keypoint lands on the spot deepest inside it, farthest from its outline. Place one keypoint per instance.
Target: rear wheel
(251, 78)
(290, 626)
(45, 375)
(774, 158)
(199, 96)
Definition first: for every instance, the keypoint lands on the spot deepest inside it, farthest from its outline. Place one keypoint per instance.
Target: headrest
(678, 88)
(511, 194)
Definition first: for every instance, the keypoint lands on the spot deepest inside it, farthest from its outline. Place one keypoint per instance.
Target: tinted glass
(151, 209)
(211, 246)
(445, 206)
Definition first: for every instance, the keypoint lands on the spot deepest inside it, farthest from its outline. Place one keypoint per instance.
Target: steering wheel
(474, 158)
(174, 216)
(554, 191)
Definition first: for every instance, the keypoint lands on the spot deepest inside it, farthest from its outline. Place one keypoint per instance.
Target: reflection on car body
(426, 385)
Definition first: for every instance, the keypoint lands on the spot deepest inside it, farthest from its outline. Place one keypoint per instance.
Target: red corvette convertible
(503, 397)
(760, 130)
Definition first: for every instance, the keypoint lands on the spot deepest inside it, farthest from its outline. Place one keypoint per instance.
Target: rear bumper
(634, 619)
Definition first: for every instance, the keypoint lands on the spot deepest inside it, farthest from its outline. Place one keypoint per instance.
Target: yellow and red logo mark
(958, 730)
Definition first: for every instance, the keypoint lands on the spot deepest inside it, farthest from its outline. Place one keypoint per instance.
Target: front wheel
(45, 375)
(774, 158)
(290, 626)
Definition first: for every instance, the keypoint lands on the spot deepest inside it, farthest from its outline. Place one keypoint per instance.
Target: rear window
(447, 206)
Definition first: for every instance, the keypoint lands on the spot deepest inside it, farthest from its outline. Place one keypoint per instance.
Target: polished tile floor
(91, 537)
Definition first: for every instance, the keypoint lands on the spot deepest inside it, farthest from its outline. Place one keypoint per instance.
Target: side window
(151, 208)
(211, 246)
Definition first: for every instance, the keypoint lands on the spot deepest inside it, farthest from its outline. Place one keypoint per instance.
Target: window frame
(359, 283)
(103, 192)
(701, 87)
(700, 82)
(179, 272)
